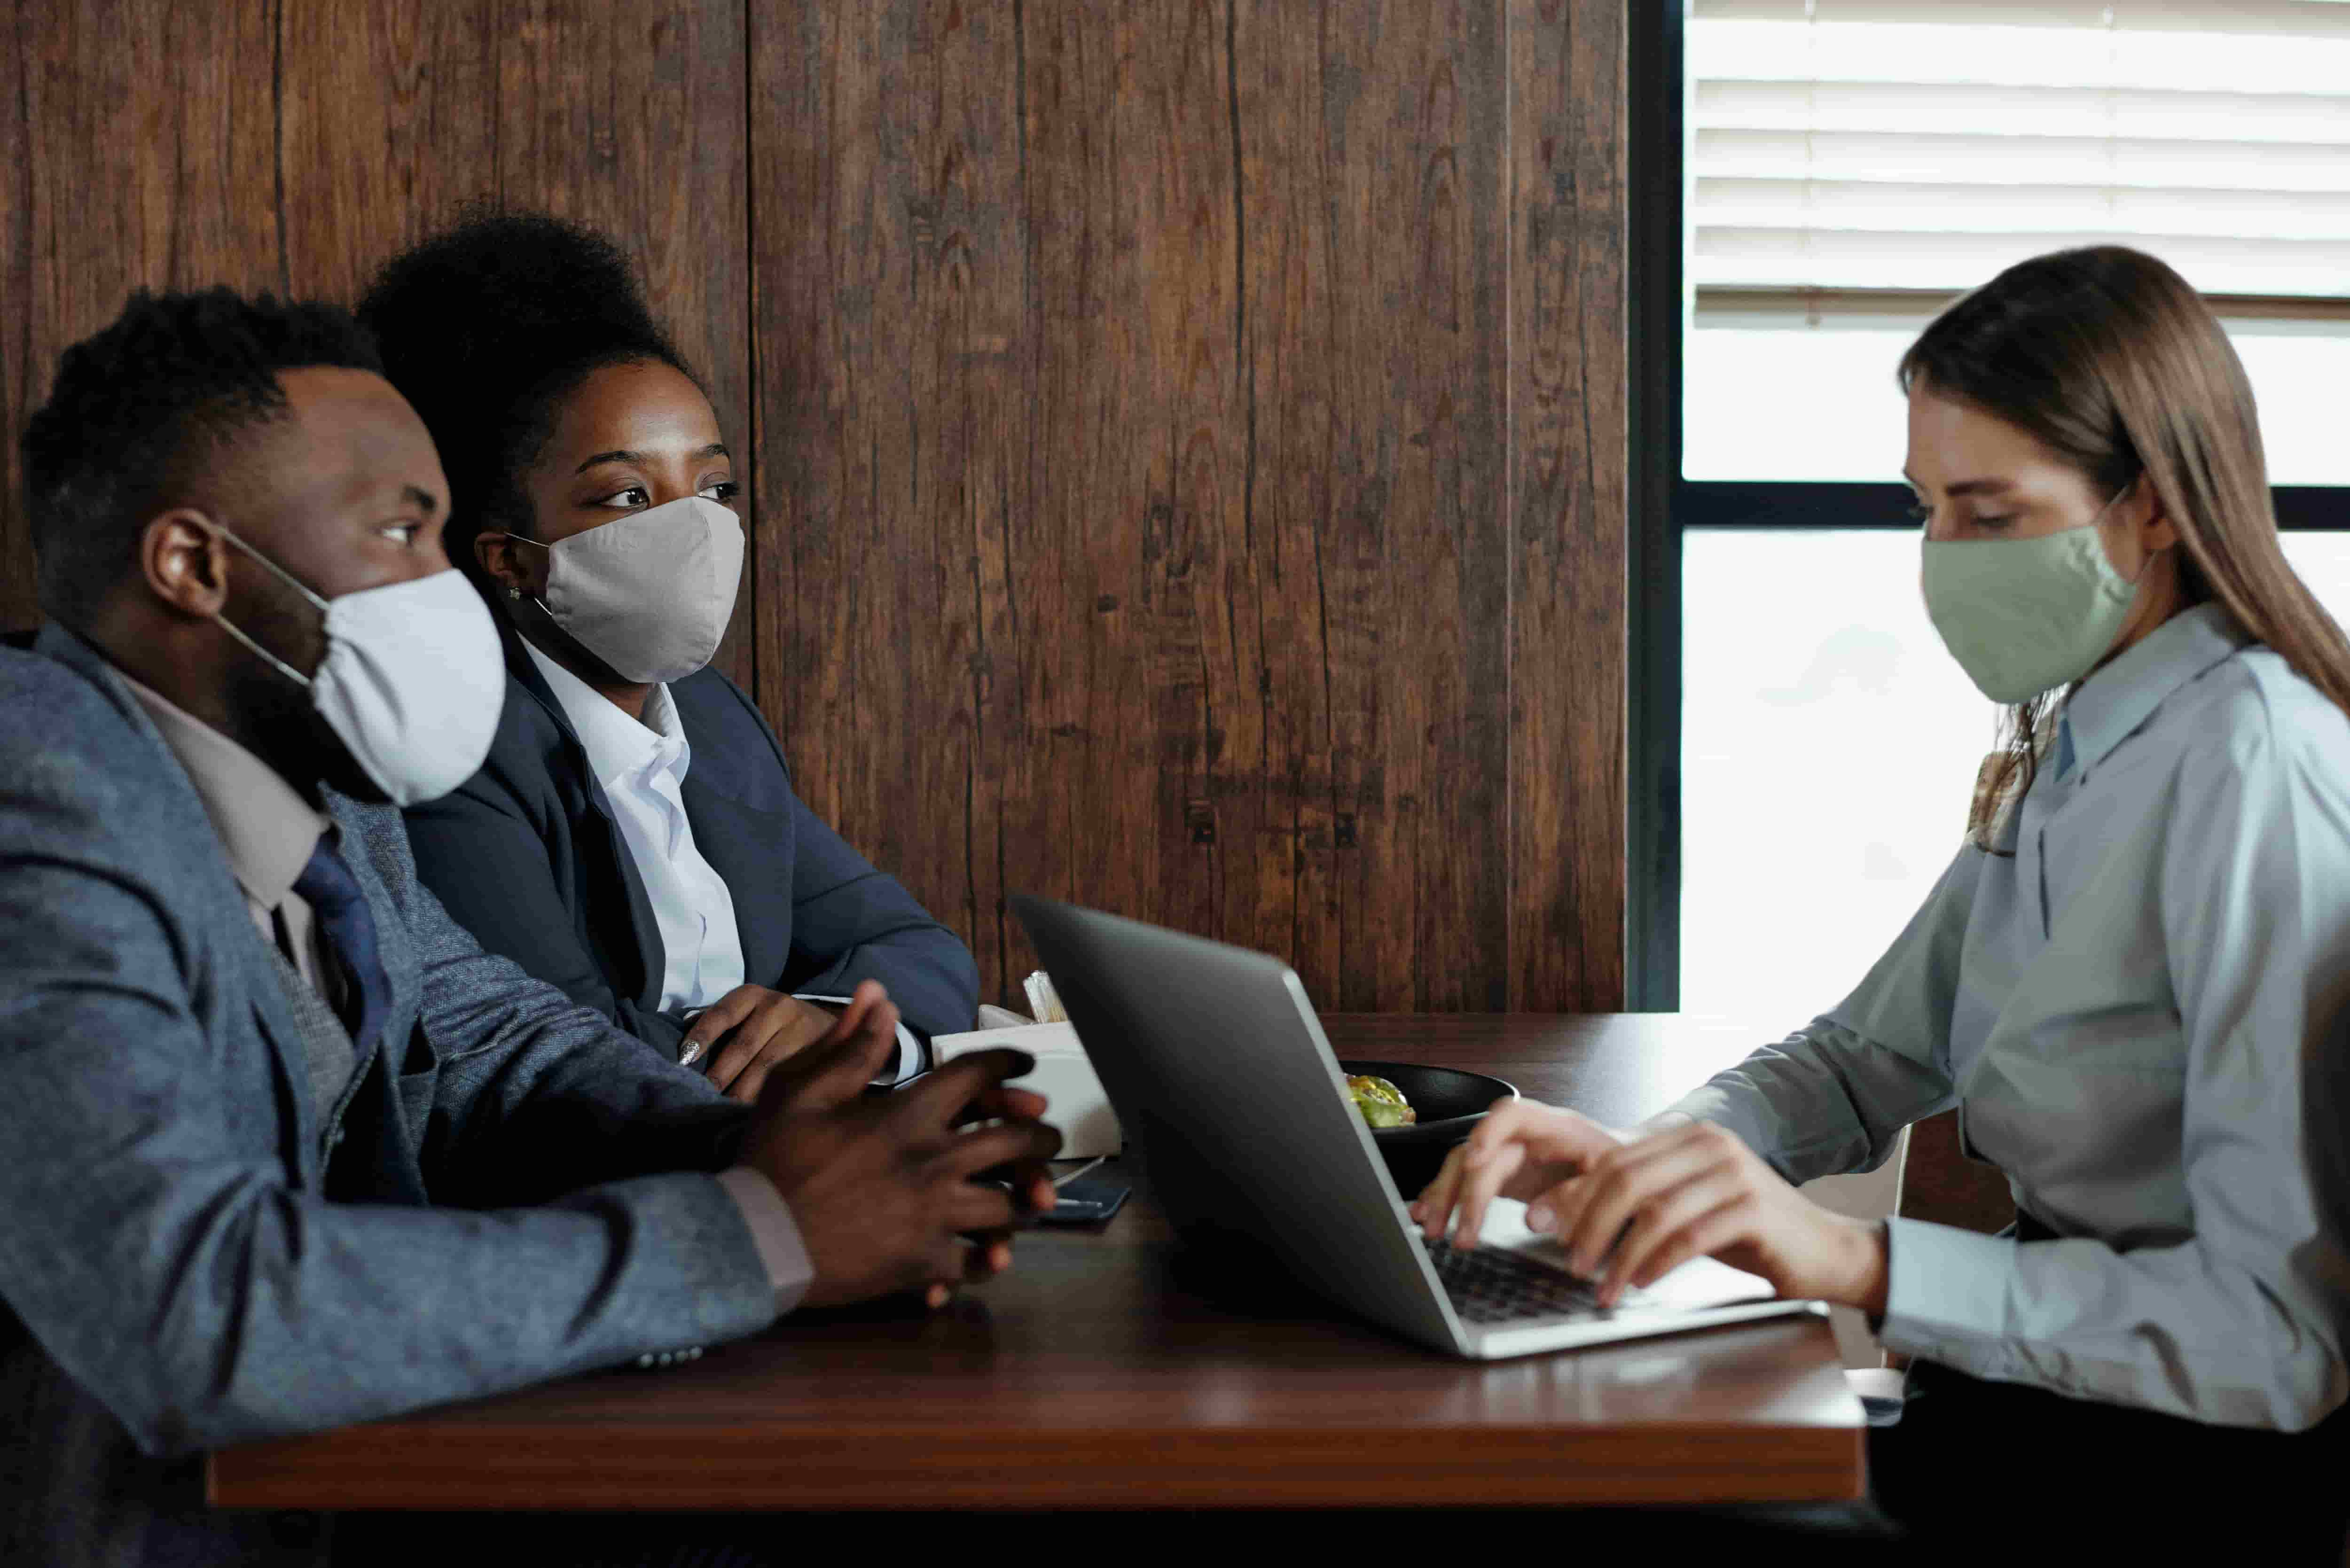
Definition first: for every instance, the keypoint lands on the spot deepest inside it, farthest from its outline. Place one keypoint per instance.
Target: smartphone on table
(1086, 1199)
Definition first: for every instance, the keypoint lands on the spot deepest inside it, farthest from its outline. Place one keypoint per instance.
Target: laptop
(1223, 1080)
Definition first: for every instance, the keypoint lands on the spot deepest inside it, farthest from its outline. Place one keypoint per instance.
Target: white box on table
(1076, 1104)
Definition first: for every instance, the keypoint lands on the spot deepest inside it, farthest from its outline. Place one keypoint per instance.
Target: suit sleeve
(484, 855)
(533, 1095)
(159, 1251)
(851, 923)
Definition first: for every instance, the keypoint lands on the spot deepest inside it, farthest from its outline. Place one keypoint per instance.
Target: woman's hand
(1693, 1190)
(1521, 1148)
(754, 1029)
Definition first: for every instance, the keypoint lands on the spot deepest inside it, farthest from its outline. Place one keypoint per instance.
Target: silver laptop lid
(1224, 1084)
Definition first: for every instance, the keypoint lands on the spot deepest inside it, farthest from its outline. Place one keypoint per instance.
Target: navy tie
(333, 894)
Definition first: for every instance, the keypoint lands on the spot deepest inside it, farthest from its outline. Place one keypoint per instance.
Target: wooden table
(1111, 1370)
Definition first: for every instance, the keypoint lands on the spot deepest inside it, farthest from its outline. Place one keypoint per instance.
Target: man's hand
(1697, 1190)
(753, 1029)
(879, 1185)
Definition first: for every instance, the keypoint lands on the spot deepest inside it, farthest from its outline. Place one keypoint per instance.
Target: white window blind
(1918, 145)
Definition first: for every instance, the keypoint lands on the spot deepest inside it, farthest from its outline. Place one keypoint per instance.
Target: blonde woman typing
(2129, 980)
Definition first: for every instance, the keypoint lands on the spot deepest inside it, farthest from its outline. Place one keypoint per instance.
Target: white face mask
(2026, 616)
(649, 594)
(412, 682)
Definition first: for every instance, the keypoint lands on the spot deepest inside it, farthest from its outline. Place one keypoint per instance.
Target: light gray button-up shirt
(2125, 1009)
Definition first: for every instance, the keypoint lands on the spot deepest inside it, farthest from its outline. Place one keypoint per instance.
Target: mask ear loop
(534, 600)
(516, 594)
(283, 575)
(2143, 567)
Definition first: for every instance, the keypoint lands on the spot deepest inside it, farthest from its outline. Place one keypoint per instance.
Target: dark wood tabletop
(1112, 1369)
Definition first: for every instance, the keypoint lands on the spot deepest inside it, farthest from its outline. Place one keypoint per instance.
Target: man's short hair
(145, 409)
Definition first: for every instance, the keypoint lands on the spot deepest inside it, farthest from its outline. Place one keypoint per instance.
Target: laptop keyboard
(1489, 1285)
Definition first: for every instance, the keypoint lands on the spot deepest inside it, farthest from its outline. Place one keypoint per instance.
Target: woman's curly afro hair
(485, 330)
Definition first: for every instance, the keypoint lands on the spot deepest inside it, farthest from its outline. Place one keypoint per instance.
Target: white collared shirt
(642, 767)
(2133, 1006)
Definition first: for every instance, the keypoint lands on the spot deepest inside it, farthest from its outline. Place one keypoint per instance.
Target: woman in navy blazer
(619, 823)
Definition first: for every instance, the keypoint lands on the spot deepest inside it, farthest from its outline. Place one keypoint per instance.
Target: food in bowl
(1380, 1102)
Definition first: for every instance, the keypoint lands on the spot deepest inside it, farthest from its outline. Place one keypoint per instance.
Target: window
(1854, 165)
(1849, 168)
(1829, 747)
(1832, 411)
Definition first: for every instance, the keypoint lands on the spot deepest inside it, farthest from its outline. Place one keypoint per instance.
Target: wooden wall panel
(1372, 139)
(1186, 438)
(389, 127)
(892, 411)
(1381, 131)
(18, 385)
(1569, 473)
(1155, 358)
(147, 159)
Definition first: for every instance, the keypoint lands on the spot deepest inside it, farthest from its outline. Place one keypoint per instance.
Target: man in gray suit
(284, 1148)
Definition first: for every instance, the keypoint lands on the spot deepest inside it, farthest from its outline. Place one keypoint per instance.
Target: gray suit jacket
(192, 1253)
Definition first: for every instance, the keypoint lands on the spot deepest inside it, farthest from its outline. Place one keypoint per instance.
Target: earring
(513, 594)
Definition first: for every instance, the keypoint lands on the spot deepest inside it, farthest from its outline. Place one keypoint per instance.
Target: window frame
(1658, 174)
(1662, 504)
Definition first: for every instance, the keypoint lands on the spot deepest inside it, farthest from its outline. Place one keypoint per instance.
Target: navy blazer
(526, 855)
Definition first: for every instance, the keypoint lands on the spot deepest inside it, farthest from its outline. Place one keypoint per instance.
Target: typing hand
(753, 1029)
(1521, 1149)
(1694, 1189)
(879, 1185)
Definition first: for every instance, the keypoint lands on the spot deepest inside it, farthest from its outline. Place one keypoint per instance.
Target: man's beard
(295, 739)
(278, 714)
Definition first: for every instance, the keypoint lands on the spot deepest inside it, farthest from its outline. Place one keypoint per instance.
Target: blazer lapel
(740, 802)
(273, 1016)
(644, 931)
(272, 1019)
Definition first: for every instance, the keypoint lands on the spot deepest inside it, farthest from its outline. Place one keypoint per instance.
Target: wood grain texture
(1111, 1370)
(1377, 337)
(18, 384)
(145, 157)
(1568, 365)
(1135, 479)
(894, 419)
(389, 126)
(1180, 435)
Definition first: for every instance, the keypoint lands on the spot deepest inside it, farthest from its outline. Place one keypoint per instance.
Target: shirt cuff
(1946, 1295)
(911, 1060)
(774, 1231)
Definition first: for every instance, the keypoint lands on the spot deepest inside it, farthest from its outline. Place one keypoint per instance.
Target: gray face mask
(2026, 616)
(649, 594)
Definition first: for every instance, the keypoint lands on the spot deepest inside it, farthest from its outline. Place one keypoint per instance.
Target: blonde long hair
(2109, 359)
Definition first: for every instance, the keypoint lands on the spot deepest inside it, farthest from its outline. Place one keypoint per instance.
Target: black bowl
(1450, 1103)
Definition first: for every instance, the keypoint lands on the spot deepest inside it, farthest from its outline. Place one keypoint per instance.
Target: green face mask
(2024, 616)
